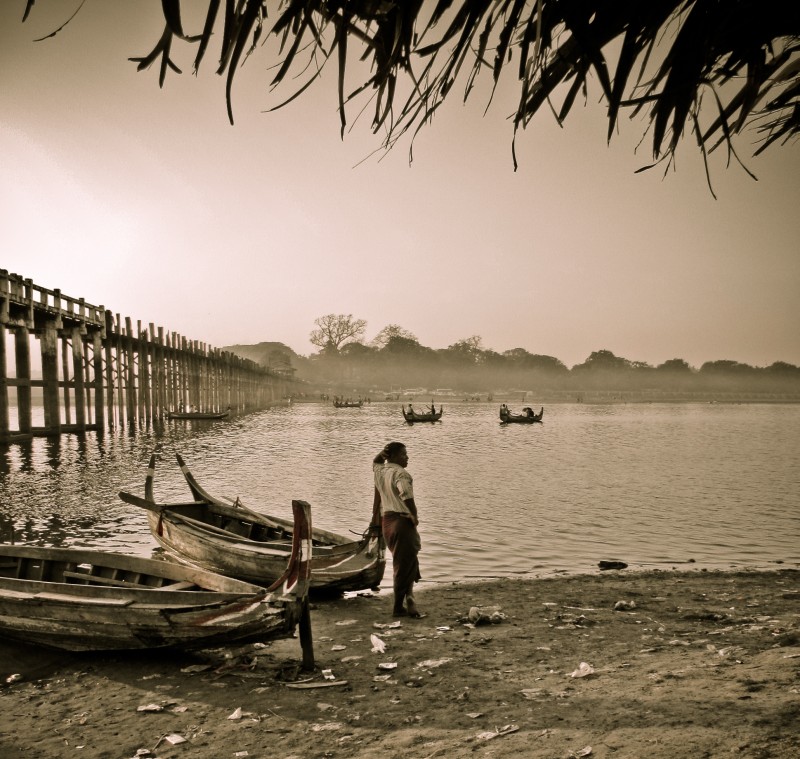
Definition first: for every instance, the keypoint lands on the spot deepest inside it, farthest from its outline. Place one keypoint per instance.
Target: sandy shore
(647, 664)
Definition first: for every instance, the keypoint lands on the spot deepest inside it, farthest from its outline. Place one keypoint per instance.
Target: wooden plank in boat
(177, 586)
(259, 548)
(97, 580)
(15, 594)
(48, 596)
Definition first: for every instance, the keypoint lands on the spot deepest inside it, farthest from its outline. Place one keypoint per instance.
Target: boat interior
(71, 572)
(271, 536)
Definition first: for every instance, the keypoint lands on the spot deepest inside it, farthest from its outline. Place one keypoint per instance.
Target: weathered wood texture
(98, 372)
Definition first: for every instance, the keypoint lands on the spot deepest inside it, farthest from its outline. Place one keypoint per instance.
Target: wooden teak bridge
(98, 371)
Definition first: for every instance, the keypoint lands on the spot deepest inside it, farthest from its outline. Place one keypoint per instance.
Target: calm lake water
(657, 485)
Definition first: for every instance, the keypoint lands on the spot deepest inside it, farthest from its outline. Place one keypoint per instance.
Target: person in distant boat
(433, 408)
(503, 410)
(410, 410)
(394, 499)
(528, 411)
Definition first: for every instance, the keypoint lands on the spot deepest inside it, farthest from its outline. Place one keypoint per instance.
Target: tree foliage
(469, 349)
(603, 360)
(675, 365)
(391, 332)
(466, 367)
(712, 67)
(333, 330)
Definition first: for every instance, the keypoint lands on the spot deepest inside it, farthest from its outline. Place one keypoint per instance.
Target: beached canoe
(225, 536)
(528, 417)
(412, 416)
(89, 600)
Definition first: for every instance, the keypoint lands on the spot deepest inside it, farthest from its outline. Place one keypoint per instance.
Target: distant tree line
(396, 359)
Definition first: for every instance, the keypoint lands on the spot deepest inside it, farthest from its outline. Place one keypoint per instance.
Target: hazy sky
(149, 202)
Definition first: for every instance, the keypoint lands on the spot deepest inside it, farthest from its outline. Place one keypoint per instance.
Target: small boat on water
(348, 404)
(526, 417)
(223, 535)
(89, 600)
(196, 414)
(412, 416)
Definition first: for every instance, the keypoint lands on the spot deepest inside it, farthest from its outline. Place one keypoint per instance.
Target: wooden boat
(227, 537)
(89, 600)
(528, 417)
(196, 414)
(348, 404)
(412, 416)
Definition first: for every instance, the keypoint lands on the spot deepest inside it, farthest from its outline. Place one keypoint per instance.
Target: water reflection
(653, 485)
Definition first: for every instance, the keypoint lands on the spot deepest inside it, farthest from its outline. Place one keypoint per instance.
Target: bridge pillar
(4, 421)
(99, 398)
(78, 379)
(22, 357)
(48, 342)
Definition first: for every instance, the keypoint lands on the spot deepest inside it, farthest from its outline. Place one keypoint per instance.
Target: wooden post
(77, 378)
(22, 353)
(306, 638)
(175, 371)
(48, 342)
(109, 384)
(87, 382)
(183, 363)
(120, 374)
(97, 378)
(66, 382)
(206, 403)
(156, 371)
(109, 372)
(4, 419)
(192, 378)
(130, 361)
(144, 375)
(163, 376)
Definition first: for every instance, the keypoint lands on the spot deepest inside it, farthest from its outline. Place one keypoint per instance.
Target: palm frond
(653, 59)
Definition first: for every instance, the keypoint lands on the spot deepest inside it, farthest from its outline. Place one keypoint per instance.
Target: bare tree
(714, 67)
(333, 330)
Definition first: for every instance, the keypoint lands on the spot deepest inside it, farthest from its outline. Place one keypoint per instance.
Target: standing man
(394, 498)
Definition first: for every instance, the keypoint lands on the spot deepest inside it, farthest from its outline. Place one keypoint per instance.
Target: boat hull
(413, 417)
(196, 415)
(508, 418)
(231, 539)
(80, 604)
(342, 568)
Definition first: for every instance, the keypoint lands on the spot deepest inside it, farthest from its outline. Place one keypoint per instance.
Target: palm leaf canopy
(659, 59)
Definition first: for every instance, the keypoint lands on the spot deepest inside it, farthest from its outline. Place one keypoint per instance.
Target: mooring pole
(306, 639)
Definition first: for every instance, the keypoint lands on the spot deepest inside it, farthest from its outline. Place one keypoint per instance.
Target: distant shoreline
(596, 398)
(589, 397)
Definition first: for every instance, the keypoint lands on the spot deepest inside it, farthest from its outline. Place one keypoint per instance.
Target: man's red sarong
(403, 541)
